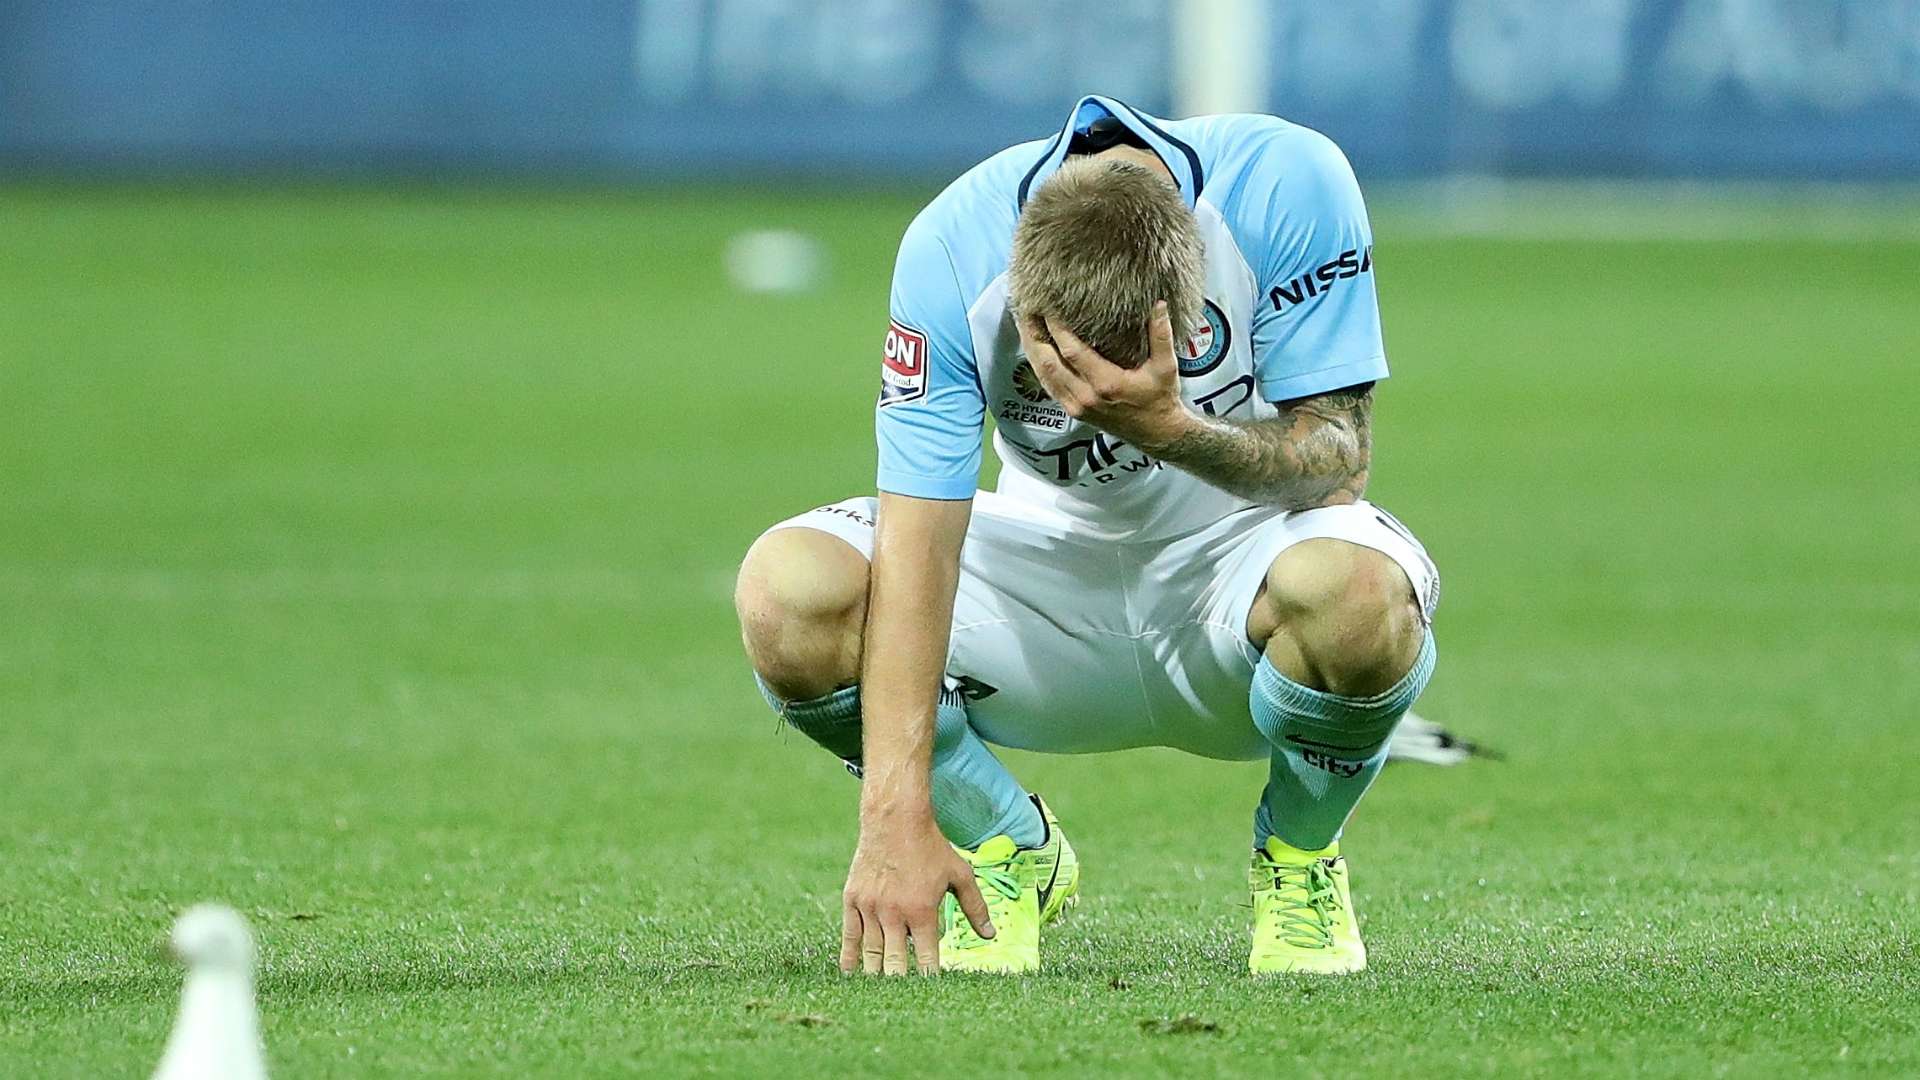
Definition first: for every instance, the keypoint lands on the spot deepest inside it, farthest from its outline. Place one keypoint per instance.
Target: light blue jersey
(1290, 312)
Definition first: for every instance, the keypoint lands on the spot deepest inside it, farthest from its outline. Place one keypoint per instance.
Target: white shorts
(1065, 644)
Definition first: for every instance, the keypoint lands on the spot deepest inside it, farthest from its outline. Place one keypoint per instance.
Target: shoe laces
(1304, 901)
(998, 887)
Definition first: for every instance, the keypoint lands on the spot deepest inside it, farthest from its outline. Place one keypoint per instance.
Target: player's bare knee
(802, 601)
(1339, 617)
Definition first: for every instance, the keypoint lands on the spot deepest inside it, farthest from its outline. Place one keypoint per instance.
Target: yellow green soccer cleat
(1023, 887)
(1303, 913)
(1056, 867)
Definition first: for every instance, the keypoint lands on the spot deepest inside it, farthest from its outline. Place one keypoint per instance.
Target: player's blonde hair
(1096, 245)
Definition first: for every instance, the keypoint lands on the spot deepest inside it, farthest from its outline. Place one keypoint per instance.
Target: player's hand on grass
(1141, 405)
(902, 870)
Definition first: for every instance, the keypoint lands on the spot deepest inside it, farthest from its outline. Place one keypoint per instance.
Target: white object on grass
(1422, 740)
(775, 261)
(216, 1035)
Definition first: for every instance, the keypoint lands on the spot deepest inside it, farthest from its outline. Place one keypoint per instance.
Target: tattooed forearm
(1315, 453)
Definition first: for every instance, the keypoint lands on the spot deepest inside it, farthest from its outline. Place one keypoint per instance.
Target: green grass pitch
(365, 559)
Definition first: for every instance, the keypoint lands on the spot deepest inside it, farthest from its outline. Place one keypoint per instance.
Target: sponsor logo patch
(903, 365)
(1035, 408)
(1204, 349)
(1296, 292)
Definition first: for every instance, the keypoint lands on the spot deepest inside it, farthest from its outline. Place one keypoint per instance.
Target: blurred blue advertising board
(663, 89)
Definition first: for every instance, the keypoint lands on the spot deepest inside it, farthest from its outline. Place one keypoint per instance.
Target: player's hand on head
(1141, 405)
(901, 873)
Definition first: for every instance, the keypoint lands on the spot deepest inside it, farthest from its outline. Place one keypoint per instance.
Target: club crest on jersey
(903, 365)
(1203, 350)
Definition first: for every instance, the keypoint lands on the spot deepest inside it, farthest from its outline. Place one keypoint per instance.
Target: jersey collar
(1180, 159)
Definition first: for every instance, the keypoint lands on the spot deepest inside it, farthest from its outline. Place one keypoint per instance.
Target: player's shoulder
(969, 225)
(1264, 160)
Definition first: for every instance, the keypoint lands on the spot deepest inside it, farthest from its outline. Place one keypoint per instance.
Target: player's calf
(1346, 651)
(802, 600)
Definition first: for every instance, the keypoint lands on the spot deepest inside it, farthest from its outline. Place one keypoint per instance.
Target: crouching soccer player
(1174, 327)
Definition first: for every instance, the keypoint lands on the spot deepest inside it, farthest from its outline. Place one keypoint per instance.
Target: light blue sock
(1327, 749)
(975, 798)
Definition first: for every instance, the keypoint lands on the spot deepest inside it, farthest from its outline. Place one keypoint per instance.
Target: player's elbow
(1340, 486)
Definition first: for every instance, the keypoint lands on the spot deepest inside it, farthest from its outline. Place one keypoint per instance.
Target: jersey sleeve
(1317, 326)
(932, 413)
